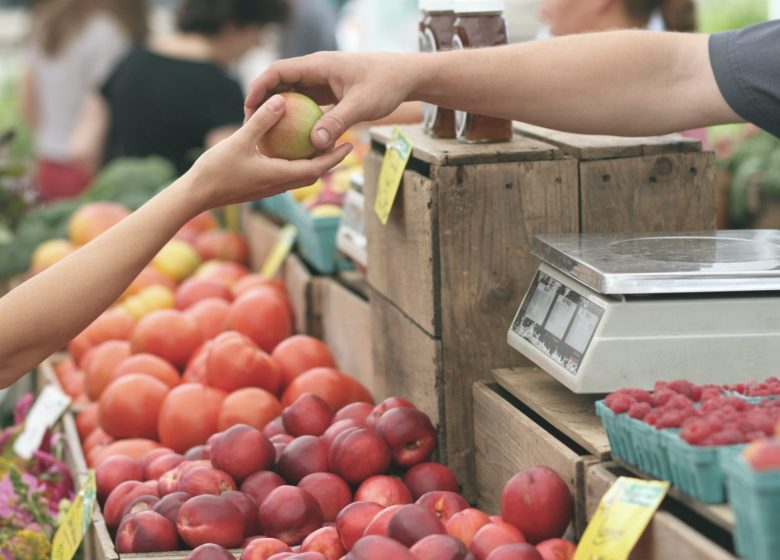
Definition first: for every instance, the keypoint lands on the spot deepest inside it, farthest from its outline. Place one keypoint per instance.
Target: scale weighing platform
(606, 311)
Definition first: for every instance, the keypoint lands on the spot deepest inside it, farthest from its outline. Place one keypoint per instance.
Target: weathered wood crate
(525, 419)
(449, 269)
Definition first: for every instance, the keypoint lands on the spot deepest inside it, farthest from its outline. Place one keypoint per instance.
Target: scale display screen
(558, 321)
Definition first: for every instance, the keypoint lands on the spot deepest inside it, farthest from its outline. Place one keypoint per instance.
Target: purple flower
(23, 406)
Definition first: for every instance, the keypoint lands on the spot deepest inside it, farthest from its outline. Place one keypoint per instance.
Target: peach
(210, 519)
(373, 547)
(205, 480)
(298, 354)
(146, 531)
(308, 415)
(199, 452)
(387, 404)
(331, 492)
(114, 471)
(412, 523)
(427, 477)
(289, 514)
(120, 498)
(381, 520)
(154, 454)
(515, 551)
(248, 507)
(326, 541)
(351, 522)
(443, 504)
(303, 456)
(194, 290)
(210, 551)
(211, 315)
(282, 438)
(274, 427)
(260, 484)
(556, 549)
(358, 412)
(763, 455)
(357, 454)
(409, 434)
(161, 465)
(337, 428)
(141, 503)
(169, 505)
(464, 524)
(384, 490)
(263, 548)
(493, 535)
(440, 547)
(290, 138)
(242, 450)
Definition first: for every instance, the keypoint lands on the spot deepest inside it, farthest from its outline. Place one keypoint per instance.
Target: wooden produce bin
(453, 263)
(525, 420)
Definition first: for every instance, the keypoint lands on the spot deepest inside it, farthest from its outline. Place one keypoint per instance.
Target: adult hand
(361, 87)
(235, 171)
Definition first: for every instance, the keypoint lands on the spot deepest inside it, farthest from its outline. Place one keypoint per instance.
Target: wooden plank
(508, 441)
(592, 146)
(444, 152)
(674, 192)
(297, 279)
(261, 233)
(666, 537)
(407, 362)
(572, 414)
(488, 217)
(404, 267)
(346, 329)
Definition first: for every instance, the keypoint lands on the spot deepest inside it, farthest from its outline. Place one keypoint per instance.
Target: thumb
(266, 116)
(334, 123)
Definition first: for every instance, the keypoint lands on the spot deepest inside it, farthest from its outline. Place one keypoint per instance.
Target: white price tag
(48, 408)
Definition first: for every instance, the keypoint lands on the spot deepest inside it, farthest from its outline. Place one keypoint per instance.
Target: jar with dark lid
(480, 23)
(436, 32)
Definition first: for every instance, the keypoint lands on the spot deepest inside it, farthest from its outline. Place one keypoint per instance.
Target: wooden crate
(453, 262)
(528, 419)
(671, 533)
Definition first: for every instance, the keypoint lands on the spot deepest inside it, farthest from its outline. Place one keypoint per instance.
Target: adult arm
(621, 82)
(42, 314)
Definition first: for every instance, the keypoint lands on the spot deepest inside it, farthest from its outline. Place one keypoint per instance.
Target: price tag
(399, 150)
(275, 259)
(48, 408)
(621, 518)
(73, 528)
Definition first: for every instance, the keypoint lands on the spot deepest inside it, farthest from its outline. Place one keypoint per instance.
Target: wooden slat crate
(453, 262)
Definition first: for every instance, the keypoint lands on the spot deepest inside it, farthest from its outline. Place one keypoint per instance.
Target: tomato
(100, 365)
(189, 416)
(194, 290)
(334, 387)
(150, 365)
(223, 245)
(204, 221)
(133, 448)
(251, 281)
(225, 271)
(96, 438)
(196, 368)
(211, 315)
(233, 362)
(169, 334)
(74, 383)
(64, 368)
(262, 316)
(114, 324)
(147, 278)
(298, 354)
(87, 420)
(252, 406)
(129, 407)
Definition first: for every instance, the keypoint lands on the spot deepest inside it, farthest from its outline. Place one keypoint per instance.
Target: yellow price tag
(73, 528)
(622, 516)
(399, 150)
(275, 259)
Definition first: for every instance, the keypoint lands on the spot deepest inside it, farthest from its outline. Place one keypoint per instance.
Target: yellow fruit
(326, 211)
(177, 260)
(49, 252)
(91, 220)
(300, 195)
(151, 299)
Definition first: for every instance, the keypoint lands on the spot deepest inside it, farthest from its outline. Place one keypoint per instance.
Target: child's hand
(235, 171)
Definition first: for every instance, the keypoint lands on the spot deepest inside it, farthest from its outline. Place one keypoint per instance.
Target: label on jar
(428, 45)
(460, 116)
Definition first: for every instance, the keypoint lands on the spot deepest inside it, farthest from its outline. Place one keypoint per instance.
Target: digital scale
(606, 311)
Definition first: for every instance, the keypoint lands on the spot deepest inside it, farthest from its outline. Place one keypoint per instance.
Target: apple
(274, 427)
(556, 549)
(260, 484)
(114, 471)
(146, 531)
(248, 507)
(169, 505)
(493, 535)
(440, 547)
(409, 434)
(199, 452)
(289, 514)
(358, 454)
(331, 492)
(290, 138)
(443, 504)
(515, 551)
(205, 480)
(120, 498)
(351, 522)
(384, 406)
(210, 551)
(210, 519)
(308, 415)
(464, 524)
(304, 456)
(379, 524)
(384, 490)
(241, 451)
(537, 502)
(412, 523)
(427, 477)
(263, 548)
(326, 541)
(374, 547)
(764, 454)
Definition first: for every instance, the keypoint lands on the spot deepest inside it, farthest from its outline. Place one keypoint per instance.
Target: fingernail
(323, 136)
(276, 103)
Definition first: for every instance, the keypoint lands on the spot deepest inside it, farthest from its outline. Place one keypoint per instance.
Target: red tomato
(129, 407)
(195, 290)
(223, 245)
(252, 406)
(211, 315)
(114, 324)
(169, 334)
(150, 365)
(334, 387)
(298, 354)
(233, 362)
(188, 416)
(262, 316)
(100, 365)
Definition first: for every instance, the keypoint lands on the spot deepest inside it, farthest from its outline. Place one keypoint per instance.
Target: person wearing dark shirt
(175, 97)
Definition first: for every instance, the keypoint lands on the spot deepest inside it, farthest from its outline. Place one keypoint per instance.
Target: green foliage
(723, 15)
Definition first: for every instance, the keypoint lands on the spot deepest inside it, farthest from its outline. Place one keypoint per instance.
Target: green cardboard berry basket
(317, 240)
(755, 498)
(698, 471)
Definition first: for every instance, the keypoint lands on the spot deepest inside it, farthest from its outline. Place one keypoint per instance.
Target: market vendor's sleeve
(746, 63)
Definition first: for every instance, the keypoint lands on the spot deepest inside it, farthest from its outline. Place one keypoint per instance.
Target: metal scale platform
(606, 311)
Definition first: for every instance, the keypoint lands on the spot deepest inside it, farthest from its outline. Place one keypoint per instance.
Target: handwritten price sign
(399, 150)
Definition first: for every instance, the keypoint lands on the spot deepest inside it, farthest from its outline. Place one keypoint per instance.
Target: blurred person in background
(566, 17)
(175, 97)
(74, 45)
(311, 27)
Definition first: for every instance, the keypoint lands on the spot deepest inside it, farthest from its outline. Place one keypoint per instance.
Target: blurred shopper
(75, 44)
(311, 28)
(175, 97)
(565, 17)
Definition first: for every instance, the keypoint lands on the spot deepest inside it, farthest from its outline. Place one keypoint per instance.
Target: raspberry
(679, 402)
(652, 417)
(728, 436)
(662, 396)
(639, 410)
(640, 395)
(621, 403)
(670, 419)
(682, 386)
(695, 432)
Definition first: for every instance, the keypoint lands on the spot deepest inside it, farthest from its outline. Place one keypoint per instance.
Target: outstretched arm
(41, 315)
(621, 82)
